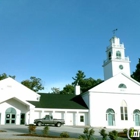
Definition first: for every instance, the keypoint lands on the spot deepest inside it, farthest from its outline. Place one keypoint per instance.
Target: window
(81, 118)
(136, 111)
(110, 110)
(118, 54)
(122, 116)
(123, 111)
(47, 117)
(109, 55)
(122, 86)
(10, 110)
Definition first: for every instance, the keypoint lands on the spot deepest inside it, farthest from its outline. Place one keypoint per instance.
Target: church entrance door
(136, 114)
(10, 116)
(110, 114)
(110, 119)
(137, 119)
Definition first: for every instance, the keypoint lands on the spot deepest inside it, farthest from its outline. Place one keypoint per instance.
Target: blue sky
(53, 39)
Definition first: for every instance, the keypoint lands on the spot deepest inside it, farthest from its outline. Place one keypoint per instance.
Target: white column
(89, 112)
(42, 114)
(31, 116)
(65, 117)
(76, 118)
(27, 118)
(3, 117)
(18, 118)
(53, 114)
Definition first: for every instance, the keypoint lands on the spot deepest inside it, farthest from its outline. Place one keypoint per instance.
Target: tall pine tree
(136, 74)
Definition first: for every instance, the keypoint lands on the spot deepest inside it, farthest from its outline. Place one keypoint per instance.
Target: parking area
(12, 130)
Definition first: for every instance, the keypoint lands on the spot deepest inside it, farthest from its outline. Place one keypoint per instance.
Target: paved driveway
(12, 130)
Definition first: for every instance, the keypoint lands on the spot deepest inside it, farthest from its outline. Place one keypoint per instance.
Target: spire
(114, 31)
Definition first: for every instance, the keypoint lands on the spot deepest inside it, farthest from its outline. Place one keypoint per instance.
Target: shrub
(32, 128)
(88, 134)
(45, 130)
(103, 134)
(125, 131)
(113, 135)
(64, 135)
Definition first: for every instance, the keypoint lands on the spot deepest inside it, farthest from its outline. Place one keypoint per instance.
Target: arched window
(118, 54)
(123, 111)
(122, 85)
(136, 115)
(136, 111)
(110, 110)
(10, 110)
(110, 116)
(109, 55)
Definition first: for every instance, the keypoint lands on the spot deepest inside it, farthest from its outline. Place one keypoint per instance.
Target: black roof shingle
(60, 101)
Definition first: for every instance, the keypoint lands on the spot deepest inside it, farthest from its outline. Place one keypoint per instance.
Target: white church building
(115, 103)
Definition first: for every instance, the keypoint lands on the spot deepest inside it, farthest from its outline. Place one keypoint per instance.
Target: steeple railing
(116, 59)
(115, 46)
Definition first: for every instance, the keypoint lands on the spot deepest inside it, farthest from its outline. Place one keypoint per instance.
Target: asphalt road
(12, 130)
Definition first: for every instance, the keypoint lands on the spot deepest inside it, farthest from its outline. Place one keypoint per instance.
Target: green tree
(89, 83)
(85, 83)
(68, 89)
(34, 84)
(136, 75)
(55, 90)
(78, 78)
(4, 75)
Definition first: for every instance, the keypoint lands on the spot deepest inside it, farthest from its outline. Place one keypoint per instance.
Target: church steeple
(116, 61)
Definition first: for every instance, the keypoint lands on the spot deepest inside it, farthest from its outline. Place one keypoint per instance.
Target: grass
(2, 131)
(36, 135)
(42, 139)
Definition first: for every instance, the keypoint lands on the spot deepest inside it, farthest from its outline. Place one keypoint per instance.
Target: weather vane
(114, 31)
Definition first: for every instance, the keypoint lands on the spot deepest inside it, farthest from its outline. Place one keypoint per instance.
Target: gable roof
(19, 100)
(10, 82)
(11, 88)
(131, 79)
(59, 101)
(111, 85)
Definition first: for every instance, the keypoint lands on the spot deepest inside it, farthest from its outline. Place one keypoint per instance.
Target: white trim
(18, 99)
(62, 110)
(100, 92)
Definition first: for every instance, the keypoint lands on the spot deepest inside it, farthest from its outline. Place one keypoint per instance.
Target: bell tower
(116, 61)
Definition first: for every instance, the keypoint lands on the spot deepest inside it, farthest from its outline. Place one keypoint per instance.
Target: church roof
(60, 101)
(131, 79)
(112, 85)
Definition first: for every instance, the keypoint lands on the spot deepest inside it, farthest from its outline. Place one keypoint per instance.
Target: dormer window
(118, 54)
(122, 86)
